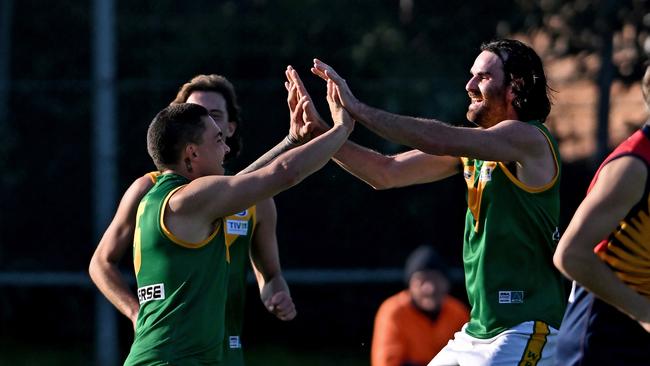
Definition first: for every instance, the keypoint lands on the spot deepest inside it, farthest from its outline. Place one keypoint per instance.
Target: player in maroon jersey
(606, 252)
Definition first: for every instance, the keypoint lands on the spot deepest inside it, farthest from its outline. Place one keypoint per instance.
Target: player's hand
(298, 125)
(281, 305)
(339, 115)
(315, 125)
(326, 72)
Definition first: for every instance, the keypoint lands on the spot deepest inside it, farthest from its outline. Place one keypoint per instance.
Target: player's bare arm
(508, 141)
(620, 186)
(265, 260)
(380, 171)
(194, 209)
(118, 238)
(385, 172)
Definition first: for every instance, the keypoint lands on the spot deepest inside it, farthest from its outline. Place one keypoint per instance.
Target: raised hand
(339, 114)
(316, 124)
(299, 127)
(347, 99)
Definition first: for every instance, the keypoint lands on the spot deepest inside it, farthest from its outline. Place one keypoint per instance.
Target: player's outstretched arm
(404, 169)
(118, 238)
(265, 260)
(619, 187)
(208, 198)
(508, 141)
(378, 170)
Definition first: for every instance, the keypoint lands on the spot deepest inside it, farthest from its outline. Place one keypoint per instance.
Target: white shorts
(527, 344)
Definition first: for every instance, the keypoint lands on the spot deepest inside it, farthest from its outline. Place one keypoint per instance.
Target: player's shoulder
(527, 133)
(625, 167)
(143, 184)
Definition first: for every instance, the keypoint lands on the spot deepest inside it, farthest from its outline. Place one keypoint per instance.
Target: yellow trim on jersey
(153, 176)
(628, 237)
(533, 351)
(638, 229)
(474, 192)
(530, 189)
(137, 239)
(251, 214)
(632, 259)
(173, 237)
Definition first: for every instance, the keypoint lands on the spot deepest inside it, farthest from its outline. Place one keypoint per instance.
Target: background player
(413, 325)
(255, 231)
(606, 251)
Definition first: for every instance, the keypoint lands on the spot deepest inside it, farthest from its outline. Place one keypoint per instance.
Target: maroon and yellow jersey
(627, 249)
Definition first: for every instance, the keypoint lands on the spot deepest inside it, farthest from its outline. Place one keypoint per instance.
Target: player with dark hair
(250, 231)
(180, 247)
(213, 83)
(511, 166)
(605, 250)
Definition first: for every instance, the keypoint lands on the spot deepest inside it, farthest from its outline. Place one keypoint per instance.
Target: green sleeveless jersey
(181, 288)
(511, 231)
(238, 232)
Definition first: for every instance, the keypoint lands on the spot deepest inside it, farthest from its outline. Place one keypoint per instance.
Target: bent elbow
(92, 267)
(566, 262)
(559, 260)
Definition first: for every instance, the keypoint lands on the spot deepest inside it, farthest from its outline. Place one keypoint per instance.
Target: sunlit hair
(219, 84)
(171, 130)
(524, 71)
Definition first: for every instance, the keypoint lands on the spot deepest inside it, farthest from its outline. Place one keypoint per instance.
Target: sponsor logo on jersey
(467, 174)
(511, 297)
(237, 227)
(556, 235)
(242, 214)
(486, 172)
(233, 342)
(151, 292)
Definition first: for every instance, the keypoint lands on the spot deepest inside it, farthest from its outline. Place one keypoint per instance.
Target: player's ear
(232, 126)
(191, 152)
(510, 94)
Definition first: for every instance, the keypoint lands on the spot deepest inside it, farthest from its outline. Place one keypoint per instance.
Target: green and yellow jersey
(511, 232)
(238, 232)
(182, 287)
(238, 236)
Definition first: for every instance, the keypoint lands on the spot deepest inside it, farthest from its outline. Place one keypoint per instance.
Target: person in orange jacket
(413, 325)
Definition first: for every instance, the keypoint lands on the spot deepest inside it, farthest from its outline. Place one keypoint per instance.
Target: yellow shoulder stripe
(528, 188)
(176, 239)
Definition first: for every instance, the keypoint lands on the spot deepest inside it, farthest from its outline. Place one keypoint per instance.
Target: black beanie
(424, 258)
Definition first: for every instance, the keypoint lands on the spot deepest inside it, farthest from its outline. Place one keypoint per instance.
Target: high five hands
(341, 89)
(303, 113)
